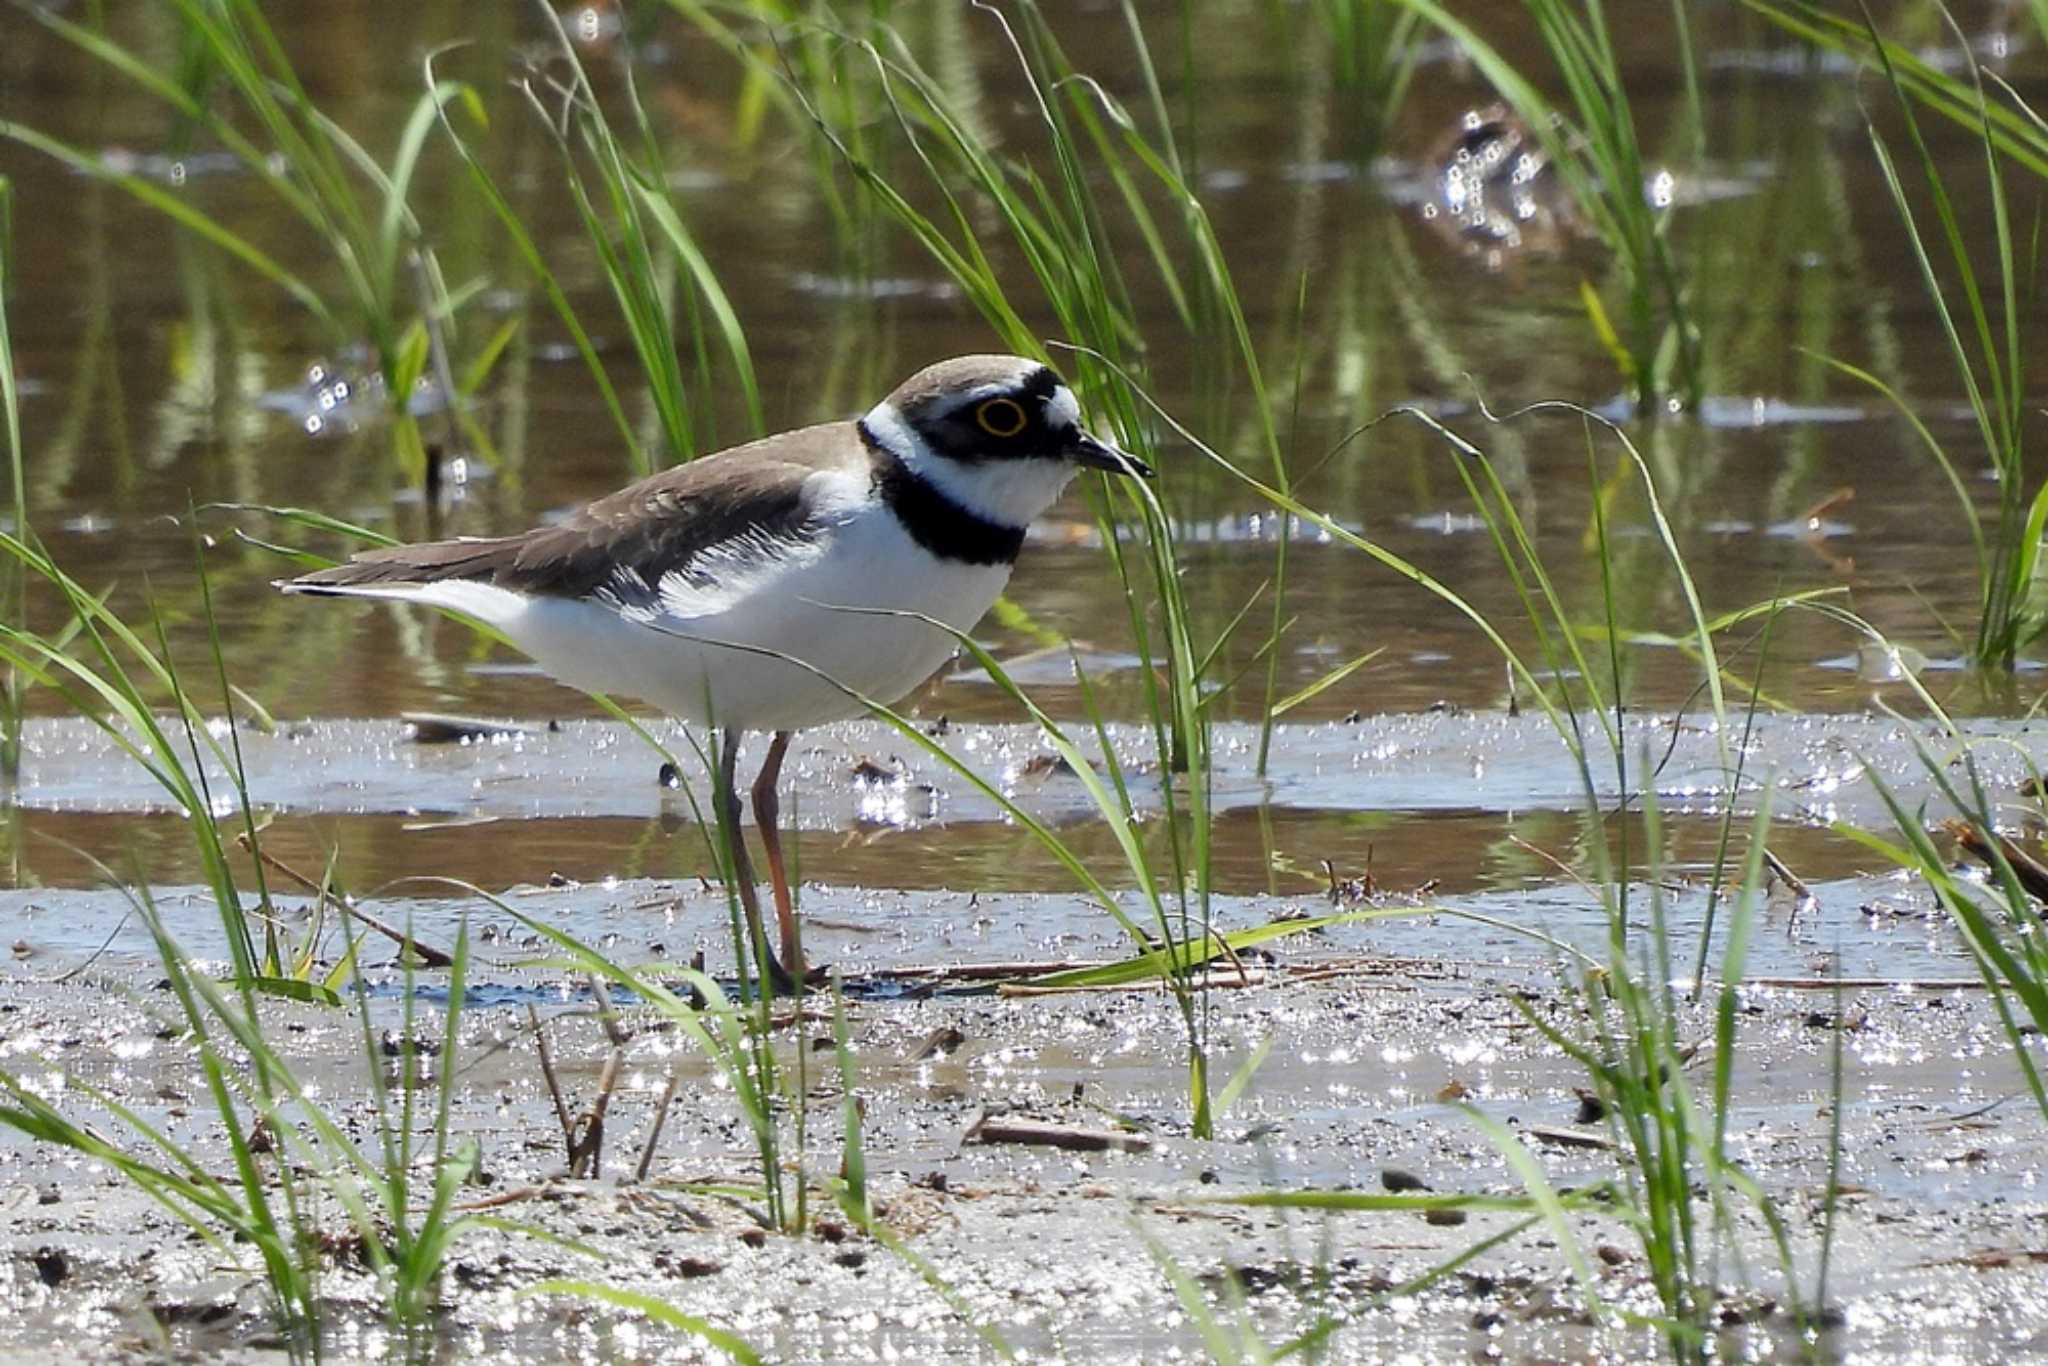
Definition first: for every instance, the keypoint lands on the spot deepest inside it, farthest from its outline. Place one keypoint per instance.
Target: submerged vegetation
(1065, 186)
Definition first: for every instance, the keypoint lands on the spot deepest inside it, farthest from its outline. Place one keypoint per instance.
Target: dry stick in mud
(547, 1072)
(586, 1144)
(668, 1098)
(1802, 895)
(1039, 1133)
(586, 1148)
(1000, 973)
(511, 1197)
(1868, 983)
(978, 972)
(444, 728)
(427, 953)
(2030, 871)
(1023, 989)
(1570, 1138)
(583, 1139)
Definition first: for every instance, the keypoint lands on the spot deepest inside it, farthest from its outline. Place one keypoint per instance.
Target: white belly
(723, 657)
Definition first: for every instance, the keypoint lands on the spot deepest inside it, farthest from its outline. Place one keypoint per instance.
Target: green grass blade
(660, 1311)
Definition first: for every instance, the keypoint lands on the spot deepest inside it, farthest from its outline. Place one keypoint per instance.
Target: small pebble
(52, 1266)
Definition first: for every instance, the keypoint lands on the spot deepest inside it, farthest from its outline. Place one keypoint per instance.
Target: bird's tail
(394, 570)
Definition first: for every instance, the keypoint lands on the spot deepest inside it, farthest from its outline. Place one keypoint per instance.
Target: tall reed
(2000, 920)
(355, 205)
(1627, 1030)
(1984, 344)
(13, 576)
(1373, 46)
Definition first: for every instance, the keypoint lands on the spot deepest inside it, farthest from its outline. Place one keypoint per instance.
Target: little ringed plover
(687, 588)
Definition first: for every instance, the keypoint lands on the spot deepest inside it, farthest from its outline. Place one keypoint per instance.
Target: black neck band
(935, 521)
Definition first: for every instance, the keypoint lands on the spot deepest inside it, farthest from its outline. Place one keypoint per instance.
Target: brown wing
(655, 527)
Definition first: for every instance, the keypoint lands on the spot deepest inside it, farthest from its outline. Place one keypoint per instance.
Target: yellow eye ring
(1003, 417)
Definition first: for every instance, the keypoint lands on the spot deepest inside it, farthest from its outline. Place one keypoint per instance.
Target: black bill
(1084, 449)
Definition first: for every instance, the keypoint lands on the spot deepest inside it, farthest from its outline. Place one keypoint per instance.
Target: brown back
(654, 527)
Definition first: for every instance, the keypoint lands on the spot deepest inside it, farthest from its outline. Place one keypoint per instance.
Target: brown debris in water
(871, 774)
(341, 901)
(440, 728)
(1977, 843)
(941, 1041)
(1803, 898)
(1047, 766)
(1044, 1134)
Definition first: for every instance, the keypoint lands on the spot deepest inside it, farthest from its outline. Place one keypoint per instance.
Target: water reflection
(159, 371)
(1496, 193)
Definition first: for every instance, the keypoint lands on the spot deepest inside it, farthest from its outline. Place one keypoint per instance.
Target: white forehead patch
(1062, 410)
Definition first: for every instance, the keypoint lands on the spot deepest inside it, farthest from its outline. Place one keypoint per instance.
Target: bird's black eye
(1003, 417)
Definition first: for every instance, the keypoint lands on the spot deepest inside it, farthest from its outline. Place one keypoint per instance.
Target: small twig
(1335, 974)
(2030, 871)
(1210, 979)
(547, 1071)
(511, 1197)
(586, 1148)
(1554, 861)
(668, 1096)
(1820, 510)
(1786, 875)
(586, 1153)
(1570, 1138)
(94, 957)
(1991, 1259)
(1866, 983)
(1006, 973)
(980, 972)
(607, 1014)
(1977, 1113)
(1802, 895)
(427, 953)
(1040, 1133)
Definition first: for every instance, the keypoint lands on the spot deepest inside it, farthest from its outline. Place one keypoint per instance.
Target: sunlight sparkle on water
(1470, 1051)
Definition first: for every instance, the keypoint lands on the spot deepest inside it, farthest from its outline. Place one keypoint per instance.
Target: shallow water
(1452, 803)
(1445, 812)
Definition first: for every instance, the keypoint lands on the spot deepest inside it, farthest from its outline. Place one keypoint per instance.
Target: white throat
(1011, 493)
